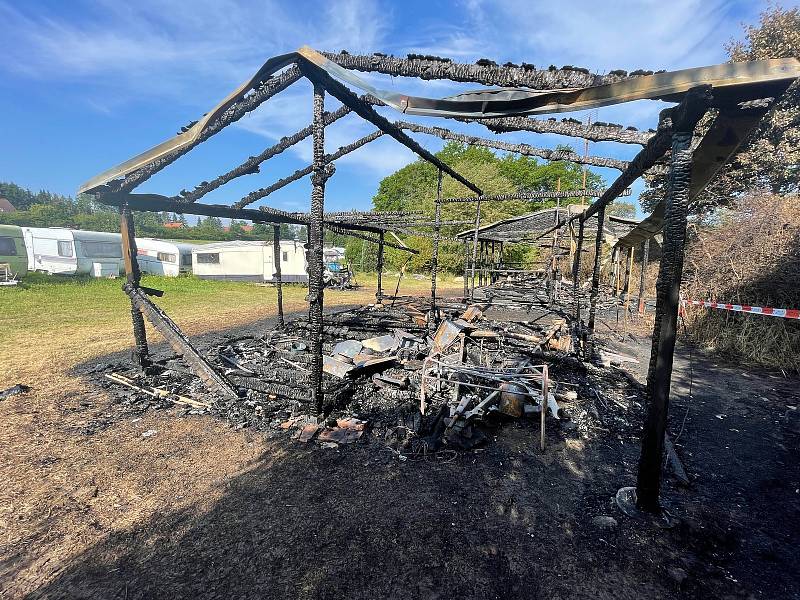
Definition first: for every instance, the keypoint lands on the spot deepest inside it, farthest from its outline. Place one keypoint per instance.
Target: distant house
(245, 228)
(174, 225)
(6, 206)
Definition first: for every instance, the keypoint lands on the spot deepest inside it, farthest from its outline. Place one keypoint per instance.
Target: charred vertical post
(276, 256)
(379, 267)
(466, 269)
(133, 276)
(576, 272)
(643, 274)
(626, 289)
(659, 375)
(598, 250)
(437, 228)
(315, 282)
(475, 247)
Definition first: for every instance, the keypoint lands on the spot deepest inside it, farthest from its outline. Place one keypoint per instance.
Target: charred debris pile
(391, 375)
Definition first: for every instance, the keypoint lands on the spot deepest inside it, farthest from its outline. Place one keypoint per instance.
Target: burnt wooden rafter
(594, 132)
(524, 149)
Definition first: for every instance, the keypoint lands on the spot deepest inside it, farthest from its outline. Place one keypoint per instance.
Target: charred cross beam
(524, 149)
(595, 132)
(180, 343)
(543, 195)
(365, 111)
(328, 159)
(485, 72)
(251, 165)
(369, 238)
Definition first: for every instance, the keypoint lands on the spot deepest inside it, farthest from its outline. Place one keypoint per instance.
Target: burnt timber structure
(739, 94)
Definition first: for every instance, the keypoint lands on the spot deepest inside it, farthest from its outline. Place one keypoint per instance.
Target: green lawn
(52, 323)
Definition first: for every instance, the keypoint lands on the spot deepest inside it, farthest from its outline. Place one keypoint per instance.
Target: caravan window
(167, 257)
(285, 257)
(7, 246)
(186, 260)
(208, 258)
(102, 249)
(65, 249)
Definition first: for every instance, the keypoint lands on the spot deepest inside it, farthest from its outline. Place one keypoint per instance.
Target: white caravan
(57, 250)
(249, 261)
(162, 257)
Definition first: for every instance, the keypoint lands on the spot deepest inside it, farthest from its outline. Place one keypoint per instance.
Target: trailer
(61, 251)
(164, 257)
(13, 257)
(249, 261)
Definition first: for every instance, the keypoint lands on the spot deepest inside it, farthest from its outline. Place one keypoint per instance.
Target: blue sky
(86, 85)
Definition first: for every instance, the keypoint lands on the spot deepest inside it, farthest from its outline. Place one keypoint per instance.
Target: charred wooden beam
(157, 203)
(379, 267)
(276, 257)
(643, 274)
(369, 238)
(300, 173)
(598, 251)
(180, 343)
(365, 111)
(437, 230)
(484, 72)
(133, 276)
(523, 149)
(659, 375)
(576, 271)
(541, 195)
(251, 165)
(595, 132)
(315, 269)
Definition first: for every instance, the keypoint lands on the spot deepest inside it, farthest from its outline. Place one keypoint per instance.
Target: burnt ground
(198, 510)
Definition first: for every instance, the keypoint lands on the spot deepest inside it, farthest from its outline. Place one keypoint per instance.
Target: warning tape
(786, 313)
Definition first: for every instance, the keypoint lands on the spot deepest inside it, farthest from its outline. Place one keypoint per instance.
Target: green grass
(51, 323)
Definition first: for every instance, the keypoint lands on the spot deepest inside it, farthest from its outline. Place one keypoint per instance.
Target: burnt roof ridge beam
(524, 149)
(486, 72)
(366, 111)
(329, 159)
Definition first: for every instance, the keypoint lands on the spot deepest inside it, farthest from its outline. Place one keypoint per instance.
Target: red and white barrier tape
(786, 313)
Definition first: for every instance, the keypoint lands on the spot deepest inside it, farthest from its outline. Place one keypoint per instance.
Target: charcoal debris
(389, 376)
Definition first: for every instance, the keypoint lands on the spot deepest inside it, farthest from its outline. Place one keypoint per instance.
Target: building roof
(6, 206)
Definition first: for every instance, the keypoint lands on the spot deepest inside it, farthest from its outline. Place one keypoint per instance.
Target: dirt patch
(196, 509)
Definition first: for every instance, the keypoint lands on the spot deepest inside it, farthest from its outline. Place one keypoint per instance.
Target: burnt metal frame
(571, 89)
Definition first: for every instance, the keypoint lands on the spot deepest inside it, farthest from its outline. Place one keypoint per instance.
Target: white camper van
(249, 261)
(162, 257)
(57, 250)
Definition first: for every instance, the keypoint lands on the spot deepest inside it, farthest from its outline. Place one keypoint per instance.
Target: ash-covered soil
(195, 510)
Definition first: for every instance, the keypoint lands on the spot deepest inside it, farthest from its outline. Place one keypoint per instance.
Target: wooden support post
(576, 272)
(659, 375)
(133, 276)
(598, 250)
(475, 248)
(437, 227)
(276, 256)
(379, 289)
(466, 270)
(643, 274)
(628, 269)
(315, 270)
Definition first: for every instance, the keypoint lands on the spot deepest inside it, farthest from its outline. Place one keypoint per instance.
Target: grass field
(49, 324)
